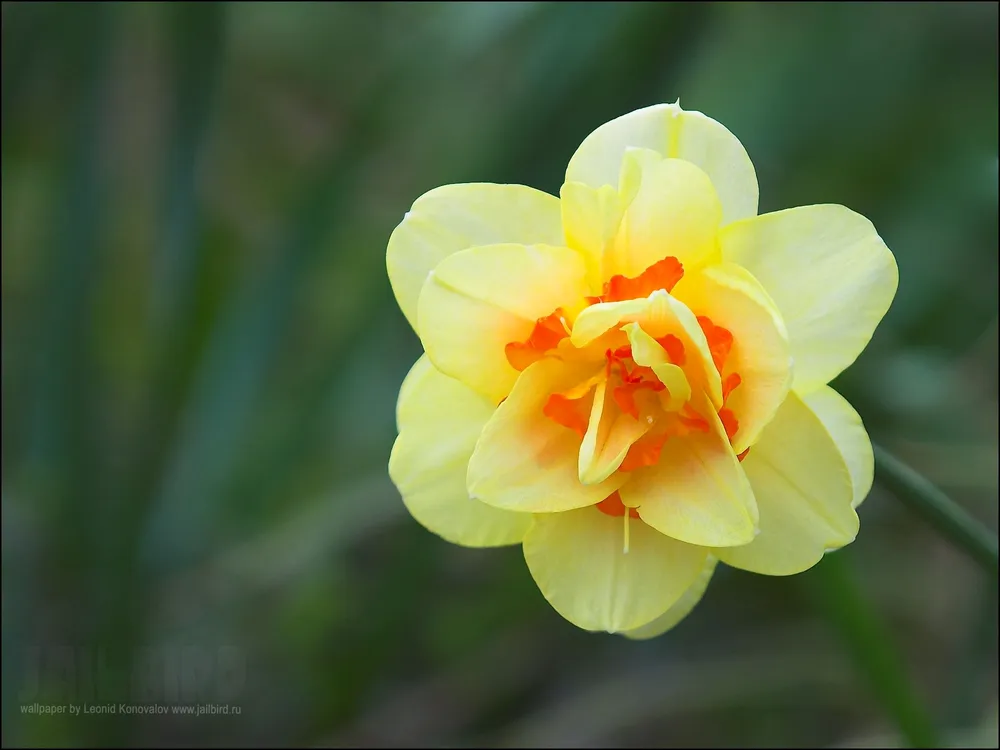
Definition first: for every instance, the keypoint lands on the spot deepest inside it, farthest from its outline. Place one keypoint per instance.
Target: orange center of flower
(626, 378)
(553, 328)
(633, 378)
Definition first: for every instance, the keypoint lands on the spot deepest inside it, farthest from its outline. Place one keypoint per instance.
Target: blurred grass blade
(66, 432)
(836, 592)
(194, 35)
(939, 510)
(196, 39)
(239, 354)
(974, 665)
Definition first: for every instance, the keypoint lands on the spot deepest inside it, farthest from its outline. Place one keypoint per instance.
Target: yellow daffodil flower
(631, 379)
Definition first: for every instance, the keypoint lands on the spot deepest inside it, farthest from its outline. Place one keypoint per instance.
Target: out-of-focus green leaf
(875, 657)
(937, 509)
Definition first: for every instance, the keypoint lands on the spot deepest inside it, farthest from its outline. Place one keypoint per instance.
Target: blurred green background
(201, 355)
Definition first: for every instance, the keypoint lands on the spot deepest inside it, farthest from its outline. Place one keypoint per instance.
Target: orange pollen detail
(567, 412)
(720, 341)
(663, 274)
(674, 348)
(612, 505)
(743, 455)
(546, 335)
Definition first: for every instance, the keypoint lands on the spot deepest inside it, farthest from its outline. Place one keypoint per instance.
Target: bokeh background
(201, 355)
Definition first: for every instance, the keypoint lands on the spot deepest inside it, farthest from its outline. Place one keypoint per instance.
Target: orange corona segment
(720, 344)
(645, 451)
(720, 341)
(573, 413)
(674, 348)
(612, 505)
(546, 335)
(664, 274)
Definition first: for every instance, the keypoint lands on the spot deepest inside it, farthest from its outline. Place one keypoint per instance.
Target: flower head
(631, 379)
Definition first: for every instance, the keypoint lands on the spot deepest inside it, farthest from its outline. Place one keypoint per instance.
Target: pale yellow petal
(675, 212)
(596, 320)
(524, 460)
(610, 433)
(681, 608)
(734, 300)
(659, 315)
(676, 134)
(439, 422)
(697, 493)
(829, 273)
(635, 161)
(577, 559)
(804, 492)
(848, 432)
(527, 280)
(591, 217)
(479, 300)
(456, 217)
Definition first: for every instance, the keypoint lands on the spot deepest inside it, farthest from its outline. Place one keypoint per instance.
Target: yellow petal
(830, 275)
(658, 315)
(635, 161)
(697, 493)
(610, 433)
(479, 300)
(591, 217)
(456, 217)
(525, 461)
(804, 493)
(681, 608)
(675, 212)
(439, 422)
(646, 351)
(733, 299)
(848, 432)
(577, 559)
(676, 134)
